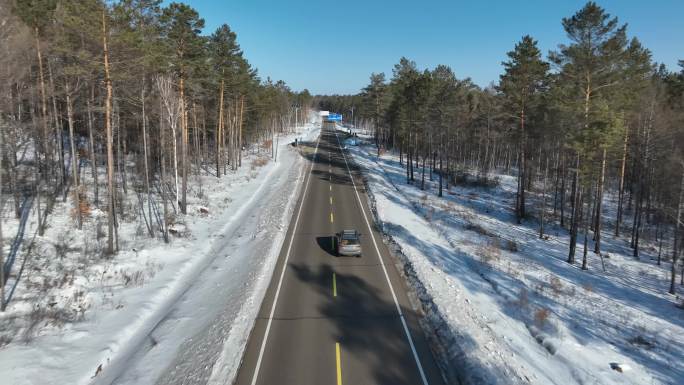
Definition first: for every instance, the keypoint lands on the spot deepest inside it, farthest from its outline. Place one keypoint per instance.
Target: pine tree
(675, 101)
(405, 88)
(375, 92)
(523, 81)
(182, 26)
(635, 68)
(233, 74)
(76, 34)
(590, 70)
(37, 14)
(137, 24)
(111, 213)
(442, 112)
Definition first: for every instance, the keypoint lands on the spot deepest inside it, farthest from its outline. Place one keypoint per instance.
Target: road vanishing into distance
(335, 320)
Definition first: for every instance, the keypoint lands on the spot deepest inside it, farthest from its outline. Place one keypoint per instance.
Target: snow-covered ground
(506, 307)
(155, 312)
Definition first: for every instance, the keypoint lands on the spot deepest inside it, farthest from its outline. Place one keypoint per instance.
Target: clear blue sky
(332, 47)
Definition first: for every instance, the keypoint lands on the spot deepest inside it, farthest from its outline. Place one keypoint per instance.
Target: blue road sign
(334, 117)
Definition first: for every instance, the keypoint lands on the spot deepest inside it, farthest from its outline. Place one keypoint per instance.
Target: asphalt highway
(335, 320)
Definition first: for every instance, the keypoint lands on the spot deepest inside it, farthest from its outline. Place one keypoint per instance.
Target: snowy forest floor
(79, 317)
(506, 306)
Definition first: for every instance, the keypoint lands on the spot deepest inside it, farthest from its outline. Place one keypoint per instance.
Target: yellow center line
(339, 365)
(331, 217)
(334, 285)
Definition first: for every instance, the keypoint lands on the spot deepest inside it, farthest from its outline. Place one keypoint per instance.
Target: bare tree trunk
(447, 156)
(2, 245)
(91, 143)
(401, 151)
(174, 140)
(441, 171)
(433, 155)
(242, 109)
(219, 134)
(637, 222)
(121, 131)
(147, 172)
(543, 201)
(643, 186)
(660, 234)
(162, 184)
(223, 142)
(599, 204)
(587, 221)
(233, 136)
(205, 144)
(422, 179)
(634, 222)
(277, 141)
(184, 146)
(563, 192)
(556, 182)
(195, 140)
(57, 128)
(576, 199)
(678, 222)
(43, 103)
(14, 178)
(119, 166)
(408, 163)
(621, 187)
(41, 227)
(520, 209)
(74, 156)
(108, 129)
(485, 164)
(415, 159)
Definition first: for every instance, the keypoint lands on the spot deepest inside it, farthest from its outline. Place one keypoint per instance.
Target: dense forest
(134, 88)
(596, 117)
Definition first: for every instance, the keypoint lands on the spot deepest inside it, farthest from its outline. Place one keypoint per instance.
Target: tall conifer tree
(523, 81)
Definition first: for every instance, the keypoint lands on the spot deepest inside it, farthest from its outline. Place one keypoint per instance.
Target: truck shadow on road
(366, 324)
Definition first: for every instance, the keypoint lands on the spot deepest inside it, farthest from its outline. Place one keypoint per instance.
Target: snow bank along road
(328, 319)
(200, 337)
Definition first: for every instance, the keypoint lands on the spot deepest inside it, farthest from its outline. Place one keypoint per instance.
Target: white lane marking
(282, 272)
(377, 250)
